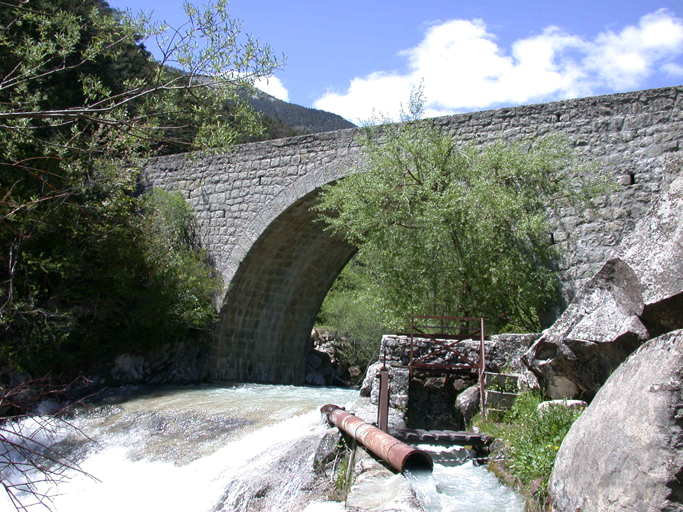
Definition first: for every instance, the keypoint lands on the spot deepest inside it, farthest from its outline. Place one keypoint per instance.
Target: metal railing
(444, 338)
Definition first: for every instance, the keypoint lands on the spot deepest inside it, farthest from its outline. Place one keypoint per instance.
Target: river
(213, 449)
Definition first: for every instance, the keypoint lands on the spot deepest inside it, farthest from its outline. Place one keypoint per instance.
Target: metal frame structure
(445, 339)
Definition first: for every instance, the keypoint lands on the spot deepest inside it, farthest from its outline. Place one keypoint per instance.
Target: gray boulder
(369, 379)
(575, 405)
(637, 295)
(625, 452)
(128, 369)
(504, 351)
(468, 402)
(375, 488)
(327, 448)
(174, 363)
(598, 330)
(655, 252)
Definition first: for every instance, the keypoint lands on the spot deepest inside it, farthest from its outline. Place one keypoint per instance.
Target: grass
(530, 443)
(340, 477)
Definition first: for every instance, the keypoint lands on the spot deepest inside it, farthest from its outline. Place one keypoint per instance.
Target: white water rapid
(458, 485)
(240, 448)
(200, 449)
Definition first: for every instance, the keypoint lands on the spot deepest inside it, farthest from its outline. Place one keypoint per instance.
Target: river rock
(47, 408)
(377, 489)
(369, 379)
(576, 405)
(174, 363)
(637, 295)
(327, 448)
(313, 361)
(528, 381)
(468, 402)
(314, 378)
(128, 369)
(625, 453)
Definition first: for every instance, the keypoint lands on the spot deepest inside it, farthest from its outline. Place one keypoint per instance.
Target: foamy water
(180, 450)
(458, 485)
(219, 449)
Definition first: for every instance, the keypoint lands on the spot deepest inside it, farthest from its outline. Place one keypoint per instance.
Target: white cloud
(463, 67)
(273, 86)
(627, 58)
(378, 93)
(672, 69)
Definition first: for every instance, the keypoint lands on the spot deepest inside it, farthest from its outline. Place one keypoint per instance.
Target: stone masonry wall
(429, 399)
(634, 137)
(237, 195)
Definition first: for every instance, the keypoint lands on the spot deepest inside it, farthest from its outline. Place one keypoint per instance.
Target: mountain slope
(302, 119)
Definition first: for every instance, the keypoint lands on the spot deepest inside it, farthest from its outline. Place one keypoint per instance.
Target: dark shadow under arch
(273, 299)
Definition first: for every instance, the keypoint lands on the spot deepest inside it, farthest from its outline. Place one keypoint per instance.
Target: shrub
(532, 439)
(351, 312)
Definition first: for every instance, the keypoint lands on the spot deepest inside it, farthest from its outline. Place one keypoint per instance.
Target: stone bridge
(278, 263)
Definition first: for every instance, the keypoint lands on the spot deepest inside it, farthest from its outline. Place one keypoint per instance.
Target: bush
(453, 228)
(130, 282)
(180, 266)
(350, 312)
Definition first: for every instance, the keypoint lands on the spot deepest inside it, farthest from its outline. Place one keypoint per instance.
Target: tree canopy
(454, 229)
(88, 269)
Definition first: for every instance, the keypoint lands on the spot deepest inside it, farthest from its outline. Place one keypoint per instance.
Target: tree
(82, 104)
(358, 329)
(454, 229)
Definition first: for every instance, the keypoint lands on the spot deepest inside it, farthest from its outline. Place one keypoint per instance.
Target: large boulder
(637, 295)
(598, 330)
(174, 363)
(625, 453)
(375, 488)
(468, 402)
(655, 253)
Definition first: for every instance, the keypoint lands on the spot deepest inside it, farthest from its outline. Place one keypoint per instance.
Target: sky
(361, 59)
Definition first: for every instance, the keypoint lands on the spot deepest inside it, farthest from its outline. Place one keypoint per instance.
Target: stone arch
(259, 222)
(274, 296)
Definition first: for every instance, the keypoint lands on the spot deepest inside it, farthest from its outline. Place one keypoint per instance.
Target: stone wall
(278, 263)
(429, 399)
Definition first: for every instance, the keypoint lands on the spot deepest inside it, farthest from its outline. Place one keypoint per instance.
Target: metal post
(383, 406)
(482, 371)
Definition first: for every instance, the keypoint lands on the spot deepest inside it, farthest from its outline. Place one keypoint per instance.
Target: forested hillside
(300, 119)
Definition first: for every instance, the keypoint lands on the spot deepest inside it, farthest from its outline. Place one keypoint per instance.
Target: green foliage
(532, 439)
(507, 385)
(86, 270)
(346, 310)
(132, 281)
(341, 476)
(455, 229)
(180, 265)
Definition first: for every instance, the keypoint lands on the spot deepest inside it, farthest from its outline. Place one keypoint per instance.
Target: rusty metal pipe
(399, 455)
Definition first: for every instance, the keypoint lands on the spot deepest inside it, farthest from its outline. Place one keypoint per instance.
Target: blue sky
(350, 57)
